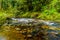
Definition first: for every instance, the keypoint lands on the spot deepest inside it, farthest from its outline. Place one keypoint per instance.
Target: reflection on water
(33, 31)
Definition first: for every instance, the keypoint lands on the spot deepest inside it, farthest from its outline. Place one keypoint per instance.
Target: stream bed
(30, 29)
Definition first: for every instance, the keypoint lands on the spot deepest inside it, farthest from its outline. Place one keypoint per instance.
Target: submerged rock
(30, 28)
(33, 23)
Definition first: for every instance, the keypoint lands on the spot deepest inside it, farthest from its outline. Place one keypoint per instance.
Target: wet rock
(31, 28)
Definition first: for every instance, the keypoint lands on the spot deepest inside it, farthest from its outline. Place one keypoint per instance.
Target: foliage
(42, 9)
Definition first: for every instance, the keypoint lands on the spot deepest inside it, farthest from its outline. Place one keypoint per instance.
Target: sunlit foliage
(42, 9)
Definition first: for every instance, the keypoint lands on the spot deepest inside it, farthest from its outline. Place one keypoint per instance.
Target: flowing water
(19, 28)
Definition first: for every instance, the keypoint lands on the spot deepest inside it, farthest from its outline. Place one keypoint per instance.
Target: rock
(29, 35)
(17, 29)
(30, 27)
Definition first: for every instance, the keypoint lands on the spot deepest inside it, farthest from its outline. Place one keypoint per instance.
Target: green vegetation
(42, 9)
